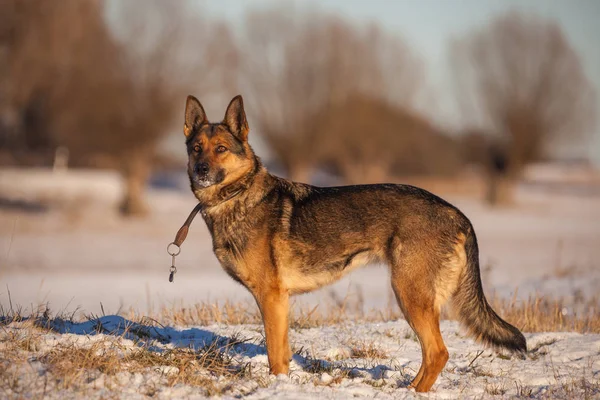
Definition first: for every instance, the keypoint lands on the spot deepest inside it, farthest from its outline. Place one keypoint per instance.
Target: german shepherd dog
(279, 238)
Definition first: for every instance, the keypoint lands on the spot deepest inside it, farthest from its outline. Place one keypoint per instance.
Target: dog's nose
(202, 168)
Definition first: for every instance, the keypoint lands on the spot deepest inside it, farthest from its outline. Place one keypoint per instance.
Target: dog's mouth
(204, 181)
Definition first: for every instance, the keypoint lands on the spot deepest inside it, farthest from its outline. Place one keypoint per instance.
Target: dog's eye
(197, 148)
(221, 149)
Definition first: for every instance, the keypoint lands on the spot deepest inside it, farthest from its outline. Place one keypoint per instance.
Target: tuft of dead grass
(495, 389)
(207, 313)
(366, 350)
(73, 367)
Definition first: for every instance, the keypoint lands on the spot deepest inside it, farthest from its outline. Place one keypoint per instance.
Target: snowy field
(63, 245)
(334, 362)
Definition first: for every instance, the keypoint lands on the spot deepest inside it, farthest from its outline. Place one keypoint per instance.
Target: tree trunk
(135, 168)
(500, 189)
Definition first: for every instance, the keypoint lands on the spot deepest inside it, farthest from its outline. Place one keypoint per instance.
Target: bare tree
(525, 81)
(371, 140)
(112, 87)
(160, 59)
(39, 42)
(299, 63)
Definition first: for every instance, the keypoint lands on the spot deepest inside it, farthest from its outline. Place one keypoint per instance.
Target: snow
(559, 362)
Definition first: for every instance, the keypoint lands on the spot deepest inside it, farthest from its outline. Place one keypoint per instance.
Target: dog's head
(218, 153)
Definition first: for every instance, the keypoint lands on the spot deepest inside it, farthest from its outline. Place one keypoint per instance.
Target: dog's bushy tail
(474, 311)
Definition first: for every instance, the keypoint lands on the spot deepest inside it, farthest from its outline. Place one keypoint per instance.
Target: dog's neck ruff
(233, 190)
(230, 192)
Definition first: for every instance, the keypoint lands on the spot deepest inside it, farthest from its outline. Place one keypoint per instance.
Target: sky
(430, 25)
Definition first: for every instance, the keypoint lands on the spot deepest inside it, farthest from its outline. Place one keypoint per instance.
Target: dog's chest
(229, 255)
(230, 242)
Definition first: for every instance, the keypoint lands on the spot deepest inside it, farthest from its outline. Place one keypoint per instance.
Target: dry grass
(536, 314)
(76, 363)
(107, 361)
(73, 366)
(206, 313)
(495, 389)
(364, 349)
(542, 314)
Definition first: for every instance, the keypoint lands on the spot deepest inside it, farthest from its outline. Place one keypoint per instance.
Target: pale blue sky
(428, 25)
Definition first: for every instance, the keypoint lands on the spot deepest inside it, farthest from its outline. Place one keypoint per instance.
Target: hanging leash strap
(174, 248)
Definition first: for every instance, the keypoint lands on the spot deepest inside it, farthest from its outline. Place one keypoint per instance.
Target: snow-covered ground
(334, 362)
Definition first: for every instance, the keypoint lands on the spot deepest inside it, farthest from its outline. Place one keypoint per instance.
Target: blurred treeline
(107, 81)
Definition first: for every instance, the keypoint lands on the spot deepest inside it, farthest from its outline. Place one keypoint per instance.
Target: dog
(279, 238)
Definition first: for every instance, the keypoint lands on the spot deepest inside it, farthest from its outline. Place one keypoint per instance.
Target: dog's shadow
(148, 332)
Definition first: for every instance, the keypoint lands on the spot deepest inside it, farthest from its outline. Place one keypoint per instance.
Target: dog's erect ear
(194, 116)
(235, 118)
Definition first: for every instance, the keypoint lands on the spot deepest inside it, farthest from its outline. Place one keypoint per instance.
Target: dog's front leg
(274, 307)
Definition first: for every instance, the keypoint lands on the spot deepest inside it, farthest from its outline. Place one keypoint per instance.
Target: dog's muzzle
(204, 176)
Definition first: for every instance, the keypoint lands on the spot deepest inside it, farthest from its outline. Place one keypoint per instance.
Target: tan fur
(297, 282)
(447, 282)
(186, 130)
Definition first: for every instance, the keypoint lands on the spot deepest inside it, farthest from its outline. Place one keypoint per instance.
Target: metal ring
(172, 253)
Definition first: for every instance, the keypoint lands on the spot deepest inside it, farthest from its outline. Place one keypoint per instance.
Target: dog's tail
(474, 311)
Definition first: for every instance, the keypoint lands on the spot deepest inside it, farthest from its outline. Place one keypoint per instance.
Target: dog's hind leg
(274, 307)
(425, 322)
(415, 294)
